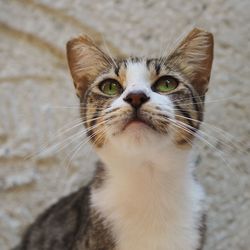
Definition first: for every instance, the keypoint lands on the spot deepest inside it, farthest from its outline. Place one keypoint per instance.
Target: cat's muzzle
(137, 118)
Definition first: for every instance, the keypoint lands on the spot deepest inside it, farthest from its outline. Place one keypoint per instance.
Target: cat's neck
(149, 200)
(161, 170)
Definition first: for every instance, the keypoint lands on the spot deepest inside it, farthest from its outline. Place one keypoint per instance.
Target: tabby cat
(142, 116)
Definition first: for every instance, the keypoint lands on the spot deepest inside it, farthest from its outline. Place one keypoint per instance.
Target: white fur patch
(138, 79)
(149, 197)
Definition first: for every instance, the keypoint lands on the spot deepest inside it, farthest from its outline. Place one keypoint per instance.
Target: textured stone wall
(38, 104)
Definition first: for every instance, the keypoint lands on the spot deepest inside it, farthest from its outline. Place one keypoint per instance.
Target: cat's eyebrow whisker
(109, 52)
(171, 47)
(168, 50)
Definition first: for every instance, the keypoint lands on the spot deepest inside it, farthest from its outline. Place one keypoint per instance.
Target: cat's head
(135, 101)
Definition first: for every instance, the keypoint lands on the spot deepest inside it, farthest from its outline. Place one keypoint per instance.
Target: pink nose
(136, 99)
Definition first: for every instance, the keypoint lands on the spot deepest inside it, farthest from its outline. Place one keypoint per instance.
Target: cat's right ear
(194, 57)
(85, 62)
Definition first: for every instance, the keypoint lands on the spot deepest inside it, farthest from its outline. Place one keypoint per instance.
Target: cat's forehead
(139, 71)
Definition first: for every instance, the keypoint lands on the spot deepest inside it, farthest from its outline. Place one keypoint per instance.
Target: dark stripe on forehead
(125, 63)
(117, 69)
(135, 59)
(157, 68)
(155, 63)
(148, 62)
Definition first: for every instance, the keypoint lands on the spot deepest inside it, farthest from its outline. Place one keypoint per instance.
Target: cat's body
(141, 115)
(72, 224)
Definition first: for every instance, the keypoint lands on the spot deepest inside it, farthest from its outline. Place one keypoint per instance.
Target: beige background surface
(37, 99)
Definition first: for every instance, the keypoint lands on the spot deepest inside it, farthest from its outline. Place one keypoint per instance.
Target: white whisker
(109, 52)
(185, 127)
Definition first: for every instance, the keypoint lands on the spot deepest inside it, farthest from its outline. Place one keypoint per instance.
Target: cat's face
(136, 101)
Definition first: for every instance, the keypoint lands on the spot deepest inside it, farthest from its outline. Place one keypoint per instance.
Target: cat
(142, 116)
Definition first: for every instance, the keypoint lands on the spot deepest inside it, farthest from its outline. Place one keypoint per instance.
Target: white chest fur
(150, 207)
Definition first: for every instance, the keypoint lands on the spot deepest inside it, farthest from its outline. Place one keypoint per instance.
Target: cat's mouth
(135, 121)
(138, 121)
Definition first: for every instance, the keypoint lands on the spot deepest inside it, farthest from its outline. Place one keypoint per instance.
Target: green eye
(165, 84)
(110, 87)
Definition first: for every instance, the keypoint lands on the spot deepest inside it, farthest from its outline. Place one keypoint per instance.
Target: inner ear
(194, 57)
(86, 61)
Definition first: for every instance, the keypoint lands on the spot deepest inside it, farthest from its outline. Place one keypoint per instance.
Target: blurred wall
(37, 100)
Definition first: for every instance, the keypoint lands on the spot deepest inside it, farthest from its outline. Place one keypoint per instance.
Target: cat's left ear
(85, 62)
(194, 57)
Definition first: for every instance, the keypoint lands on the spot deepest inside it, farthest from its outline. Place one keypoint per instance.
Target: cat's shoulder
(58, 225)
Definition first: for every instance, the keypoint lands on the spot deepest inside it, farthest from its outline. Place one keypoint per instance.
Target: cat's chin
(137, 140)
(135, 133)
(136, 126)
